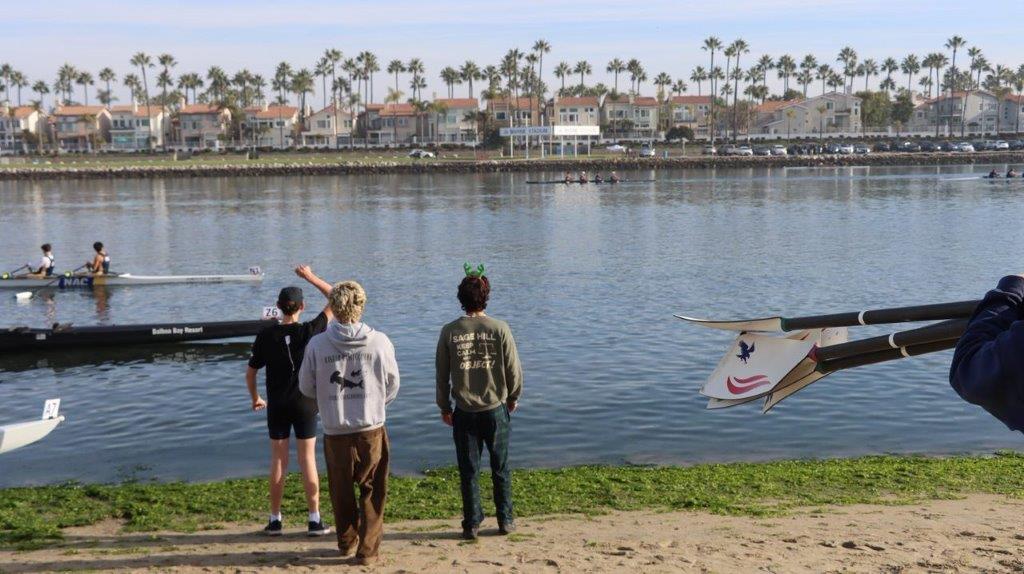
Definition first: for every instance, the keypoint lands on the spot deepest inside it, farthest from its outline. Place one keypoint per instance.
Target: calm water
(587, 276)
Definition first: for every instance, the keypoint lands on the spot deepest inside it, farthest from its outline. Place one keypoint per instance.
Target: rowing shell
(88, 281)
(17, 435)
(63, 337)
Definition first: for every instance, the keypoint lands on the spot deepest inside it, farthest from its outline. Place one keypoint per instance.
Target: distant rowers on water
(598, 178)
(584, 178)
(613, 178)
(567, 178)
(100, 263)
(993, 174)
(1011, 173)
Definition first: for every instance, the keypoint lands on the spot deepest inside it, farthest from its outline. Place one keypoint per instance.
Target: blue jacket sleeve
(988, 364)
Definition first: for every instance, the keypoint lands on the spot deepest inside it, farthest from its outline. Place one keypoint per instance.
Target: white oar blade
(764, 325)
(23, 296)
(782, 393)
(755, 363)
(718, 404)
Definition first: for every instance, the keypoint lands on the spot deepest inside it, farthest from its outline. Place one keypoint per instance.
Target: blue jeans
(473, 431)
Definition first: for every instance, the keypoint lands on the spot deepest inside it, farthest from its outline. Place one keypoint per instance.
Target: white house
(15, 122)
(834, 112)
(202, 126)
(131, 127)
(630, 117)
(945, 111)
(320, 127)
(271, 126)
(454, 121)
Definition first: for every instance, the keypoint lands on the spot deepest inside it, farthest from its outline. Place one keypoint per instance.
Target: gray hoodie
(351, 371)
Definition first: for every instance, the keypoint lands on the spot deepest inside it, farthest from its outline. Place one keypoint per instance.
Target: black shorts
(282, 418)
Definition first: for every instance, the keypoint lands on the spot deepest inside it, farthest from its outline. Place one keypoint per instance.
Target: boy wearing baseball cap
(280, 348)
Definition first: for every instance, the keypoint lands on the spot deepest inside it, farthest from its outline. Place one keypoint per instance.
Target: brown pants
(358, 459)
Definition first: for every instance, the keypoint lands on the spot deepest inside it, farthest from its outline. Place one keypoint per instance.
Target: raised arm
(988, 364)
(306, 272)
(443, 368)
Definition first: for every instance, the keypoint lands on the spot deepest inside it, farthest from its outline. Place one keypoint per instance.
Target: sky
(37, 37)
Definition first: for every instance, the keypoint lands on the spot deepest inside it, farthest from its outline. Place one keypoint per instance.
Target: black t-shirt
(280, 349)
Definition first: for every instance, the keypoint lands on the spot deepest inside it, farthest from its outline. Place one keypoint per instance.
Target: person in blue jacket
(988, 364)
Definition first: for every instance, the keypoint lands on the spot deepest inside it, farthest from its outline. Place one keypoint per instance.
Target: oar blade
(781, 393)
(755, 363)
(23, 296)
(718, 404)
(762, 325)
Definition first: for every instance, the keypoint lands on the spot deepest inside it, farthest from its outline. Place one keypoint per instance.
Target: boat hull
(22, 338)
(90, 281)
(17, 435)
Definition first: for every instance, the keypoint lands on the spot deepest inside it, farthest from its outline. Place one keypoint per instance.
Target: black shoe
(318, 529)
(273, 528)
(471, 533)
(506, 528)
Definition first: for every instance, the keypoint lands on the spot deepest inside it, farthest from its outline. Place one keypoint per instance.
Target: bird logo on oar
(745, 351)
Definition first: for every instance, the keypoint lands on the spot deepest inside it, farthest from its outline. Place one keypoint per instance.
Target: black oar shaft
(943, 331)
(883, 356)
(955, 310)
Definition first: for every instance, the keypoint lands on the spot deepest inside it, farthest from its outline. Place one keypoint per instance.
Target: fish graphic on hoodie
(351, 371)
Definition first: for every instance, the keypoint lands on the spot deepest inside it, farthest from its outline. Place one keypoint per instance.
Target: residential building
(320, 130)
(202, 126)
(1012, 114)
(454, 121)
(576, 111)
(131, 127)
(81, 128)
(15, 123)
(392, 124)
(506, 112)
(271, 126)
(834, 112)
(631, 117)
(945, 111)
(692, 112)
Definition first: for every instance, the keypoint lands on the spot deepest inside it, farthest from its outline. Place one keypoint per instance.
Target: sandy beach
(979, 533)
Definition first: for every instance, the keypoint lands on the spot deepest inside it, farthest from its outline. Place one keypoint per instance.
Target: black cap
(290, 295)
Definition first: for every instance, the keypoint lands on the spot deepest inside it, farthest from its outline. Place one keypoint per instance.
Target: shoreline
(297, 166)
(40, 517)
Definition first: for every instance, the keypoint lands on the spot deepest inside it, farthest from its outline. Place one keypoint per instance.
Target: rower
(598, 179)
(583, 177)
(1011, 173)
(993, 174)
(568, 178)
(46, 264)
(100, 264)
(613, 178)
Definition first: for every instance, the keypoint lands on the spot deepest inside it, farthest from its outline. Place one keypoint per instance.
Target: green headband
(479, 272)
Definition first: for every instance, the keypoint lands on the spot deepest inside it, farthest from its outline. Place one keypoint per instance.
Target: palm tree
(975, 54)
(396, 67)
(764, 64)
(281, 82)
(41, 89)
(323, 69)
(712, 44)
(393, 98)
(910, 66)
(584, 69)
(679, 87)
(698, 75)
(143, 61)
(848, 57)
(889, 65)
(739, 48)
(790, 114)
(954, 44)
(417, 69)
(371, 65)
(353, 102)
(107, 76)
(333, 56)
(786, 67)
(940, 61)
(804, 78)
(562, 70)
(84, 79)
(469, 72)
(5, 72)
(635, 70)
(19, 81)
(450, 76)
(823, 73)
(66, 75)
(540, 47)
(615, 67)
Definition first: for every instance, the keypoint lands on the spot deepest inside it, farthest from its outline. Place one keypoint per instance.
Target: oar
(824, 369)
(27, 295)
(955, 310)
(9, 273)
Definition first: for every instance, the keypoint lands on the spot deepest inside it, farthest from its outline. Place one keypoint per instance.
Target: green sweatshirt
(477, 364)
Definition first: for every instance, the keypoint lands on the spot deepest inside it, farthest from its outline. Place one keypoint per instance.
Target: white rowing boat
(17, 435)
(86, 280)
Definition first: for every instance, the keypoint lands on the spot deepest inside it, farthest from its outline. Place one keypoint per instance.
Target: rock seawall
(299, 167)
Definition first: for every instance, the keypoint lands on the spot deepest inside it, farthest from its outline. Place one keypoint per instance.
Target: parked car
(1017, 144)
(727, 150)
(929, 146)
(908, 146)
(945, 146)
(421, 154)
(1001, 145)
(617, 148)
(882, 146)
(709, 150)
(861, 149)
(779, 149)
(762, 150)
(744, 150)
(984, 145)
(963, 147)
(646, 150)
(832, 148)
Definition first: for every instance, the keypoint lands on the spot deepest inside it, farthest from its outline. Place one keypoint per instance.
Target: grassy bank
(33, 517)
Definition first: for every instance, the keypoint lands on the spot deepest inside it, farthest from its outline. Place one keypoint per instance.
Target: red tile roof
(21, 112)
(273, 112)
(398, 110)
(620, 99)
(79, 110)
(330, 110)
(458, 102)
(194, 109)
(691, 100)
(374, 107)
(772, 106)
(583, 101)
(645, 101)
(522, 103)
